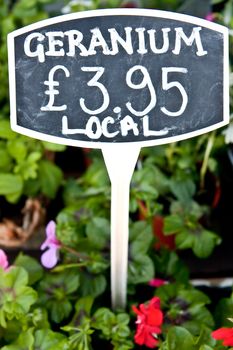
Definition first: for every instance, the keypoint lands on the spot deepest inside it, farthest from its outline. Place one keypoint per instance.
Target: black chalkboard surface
(118, 76)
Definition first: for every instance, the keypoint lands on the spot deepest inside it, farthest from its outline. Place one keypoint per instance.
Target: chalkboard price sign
(118, 76)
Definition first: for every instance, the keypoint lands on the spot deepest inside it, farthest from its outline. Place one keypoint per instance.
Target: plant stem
(204, 167)
(74, 252)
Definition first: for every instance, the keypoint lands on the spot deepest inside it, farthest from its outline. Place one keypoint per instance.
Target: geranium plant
(61, 300)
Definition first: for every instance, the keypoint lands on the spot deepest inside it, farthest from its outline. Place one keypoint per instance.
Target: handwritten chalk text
(71, 42)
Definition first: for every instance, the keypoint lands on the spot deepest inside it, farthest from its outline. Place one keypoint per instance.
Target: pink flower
(3, 260)
(149, 322)
(210, 17)
(50, 257)
(156, 282)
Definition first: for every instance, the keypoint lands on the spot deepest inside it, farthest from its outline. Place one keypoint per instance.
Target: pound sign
(51, 91)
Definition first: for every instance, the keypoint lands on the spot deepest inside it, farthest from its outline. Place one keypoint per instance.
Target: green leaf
(140, 237)
(53, 146)
(97, 263)
(170, 266)
(25, 298)
(17, 149)
(92, 285)
(28, 167)
(140, 269)
(39, 318)
(227, 13)
(25, 341)
(224, 310)
(45, 339)
(184, 240)
(50, 178)
(104, 320)
(11, 185)
(60, 310)
(56, 291)
(16, 278)
(194, 296)
(80, 338)
(98, 232)
(173, 224)
(83, 306)
(205, 340)
(204, 243)
(206, 347)
(114, 327)
(184, 190)
(178, 338)
(34, 269)
(5, 130)
(5, 160)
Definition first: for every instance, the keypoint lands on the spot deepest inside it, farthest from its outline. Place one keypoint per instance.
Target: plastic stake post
(120, 161)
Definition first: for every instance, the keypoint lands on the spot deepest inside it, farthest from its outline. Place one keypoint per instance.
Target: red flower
(162, 240)
(149, 321)
(225, 334)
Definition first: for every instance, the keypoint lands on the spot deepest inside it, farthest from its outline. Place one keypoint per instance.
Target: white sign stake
(120, 161)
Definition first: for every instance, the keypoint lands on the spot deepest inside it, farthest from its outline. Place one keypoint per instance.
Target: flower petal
(51, 230)
(3, 260)
(156, 282)
(225, 334)
(155, 302)
(45, 245)
(155, 318)
(50, 258)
